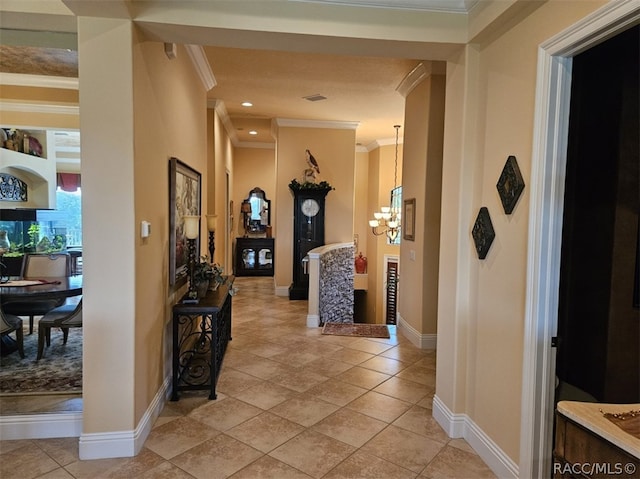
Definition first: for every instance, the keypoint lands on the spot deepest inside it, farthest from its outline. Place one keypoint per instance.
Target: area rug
(59, 371)
(356, 329)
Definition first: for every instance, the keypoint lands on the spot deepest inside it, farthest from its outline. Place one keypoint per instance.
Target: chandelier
(387, 220)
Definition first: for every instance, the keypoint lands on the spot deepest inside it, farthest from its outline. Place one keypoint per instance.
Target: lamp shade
(191, 226)
(211, 222)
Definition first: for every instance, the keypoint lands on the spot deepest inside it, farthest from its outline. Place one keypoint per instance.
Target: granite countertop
(589, 416)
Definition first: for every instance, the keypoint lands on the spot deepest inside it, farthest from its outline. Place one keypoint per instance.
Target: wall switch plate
(145, 229)
(412, 255)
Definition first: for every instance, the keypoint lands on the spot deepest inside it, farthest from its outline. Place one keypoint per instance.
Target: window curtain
(69, 181)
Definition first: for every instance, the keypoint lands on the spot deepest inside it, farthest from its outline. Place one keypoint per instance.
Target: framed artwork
(510, 184)
(184, 199)
(483, 232)
(409, 220)
(12, 188)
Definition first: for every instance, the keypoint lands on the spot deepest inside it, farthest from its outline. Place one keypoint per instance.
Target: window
(396, 209)
(65, 220)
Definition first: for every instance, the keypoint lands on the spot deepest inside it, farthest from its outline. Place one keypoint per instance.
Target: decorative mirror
(256, 211)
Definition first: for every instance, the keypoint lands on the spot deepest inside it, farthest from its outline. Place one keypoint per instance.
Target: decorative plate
(483, 232)
(510, 184)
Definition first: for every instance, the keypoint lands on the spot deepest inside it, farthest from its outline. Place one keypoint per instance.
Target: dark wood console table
(200, 335)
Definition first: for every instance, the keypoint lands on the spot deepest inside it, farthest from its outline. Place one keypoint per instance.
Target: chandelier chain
(395, 173)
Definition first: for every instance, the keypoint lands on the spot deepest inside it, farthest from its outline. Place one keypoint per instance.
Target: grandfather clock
(308, 233)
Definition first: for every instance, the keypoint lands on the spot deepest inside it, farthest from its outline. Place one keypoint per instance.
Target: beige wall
(481, 329)
(60, 96)
(380, 184)
(128, 136)
(334, 149)
(424, 116)
(168, 95)
(127, 296)
(361, 228)
(253, 167)
(220, 160)
(109, 272)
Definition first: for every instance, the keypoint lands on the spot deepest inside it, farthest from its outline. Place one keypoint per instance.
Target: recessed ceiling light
(247, 103)
(253, 132)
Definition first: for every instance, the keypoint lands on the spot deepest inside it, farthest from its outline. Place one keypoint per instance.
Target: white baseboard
(282, 291)
(125, 443)
(453, 424)
(41, 426)
(313, 320)
(460, 425)
(422, 341)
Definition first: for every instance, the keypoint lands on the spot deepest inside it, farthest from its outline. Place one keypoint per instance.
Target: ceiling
(360, 90)
(353, 89)
(301, 86)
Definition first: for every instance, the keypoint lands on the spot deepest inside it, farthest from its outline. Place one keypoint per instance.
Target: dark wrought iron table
(201, 333)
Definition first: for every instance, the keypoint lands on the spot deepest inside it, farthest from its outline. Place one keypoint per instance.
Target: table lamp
(191, 230)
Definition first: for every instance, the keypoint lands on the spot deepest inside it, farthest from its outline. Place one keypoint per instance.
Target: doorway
(545, 228)
(598, 323)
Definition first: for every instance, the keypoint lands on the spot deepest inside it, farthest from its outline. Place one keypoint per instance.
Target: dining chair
(46, 265)
(64, 317)
(40, 266)
(10, 323)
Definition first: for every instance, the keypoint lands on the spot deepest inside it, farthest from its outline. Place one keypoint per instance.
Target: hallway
(292, 403)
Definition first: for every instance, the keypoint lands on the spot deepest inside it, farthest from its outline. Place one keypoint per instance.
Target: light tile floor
(292, 403)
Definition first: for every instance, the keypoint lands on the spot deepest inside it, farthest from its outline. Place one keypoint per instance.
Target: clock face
(310, 207)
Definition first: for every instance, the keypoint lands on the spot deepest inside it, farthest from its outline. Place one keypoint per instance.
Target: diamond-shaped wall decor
(510, 184)
(483, 232)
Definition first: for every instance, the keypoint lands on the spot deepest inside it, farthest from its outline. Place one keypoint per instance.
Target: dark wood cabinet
(201, 332)
(255, 256)
(580, 453)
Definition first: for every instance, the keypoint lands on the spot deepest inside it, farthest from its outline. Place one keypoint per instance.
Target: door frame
(551, 126)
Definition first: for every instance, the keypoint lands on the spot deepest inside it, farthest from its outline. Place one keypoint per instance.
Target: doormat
(363, 330)
(58, 372)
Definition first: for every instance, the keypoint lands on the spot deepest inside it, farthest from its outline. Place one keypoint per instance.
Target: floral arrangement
(206, 271)
(308, 185)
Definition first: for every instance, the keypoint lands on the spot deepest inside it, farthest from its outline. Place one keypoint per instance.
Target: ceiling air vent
(316, 97)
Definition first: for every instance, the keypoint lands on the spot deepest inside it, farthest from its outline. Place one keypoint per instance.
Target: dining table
(17, 289)
(42, 288)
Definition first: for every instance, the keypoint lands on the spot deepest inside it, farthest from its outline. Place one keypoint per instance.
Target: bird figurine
(313, 164)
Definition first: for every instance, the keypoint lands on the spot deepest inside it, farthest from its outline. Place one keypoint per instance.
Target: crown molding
(413, 79)
(382, 142)
(256, 144)
(336, 125)
(25, 107)
(41, 81)
(201, 64)
(444, 6)
(221, 110)
(422, 71)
